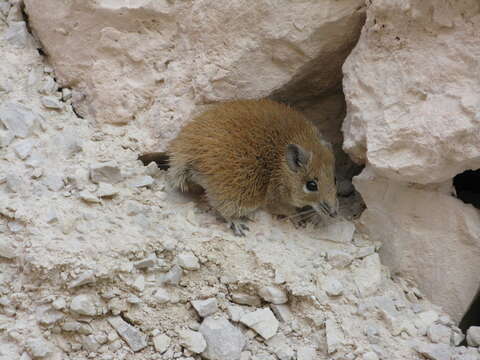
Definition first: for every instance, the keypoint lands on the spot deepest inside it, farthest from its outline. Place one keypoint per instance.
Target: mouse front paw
(238, 228)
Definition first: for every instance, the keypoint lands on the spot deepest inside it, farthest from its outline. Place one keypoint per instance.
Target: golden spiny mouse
(252, 154)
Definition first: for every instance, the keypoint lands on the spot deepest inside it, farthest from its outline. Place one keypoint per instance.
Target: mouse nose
(330, 210)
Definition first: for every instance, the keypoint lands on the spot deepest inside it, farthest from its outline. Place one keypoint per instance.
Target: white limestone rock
(435, 351)
(205, 307)
(192, 340)
(246, 299)
(224, 341)
(418, 229)
(438, 333)
(273, 294)
(106, 190)
(262, 321)
(257, 55)
(19, 119)
(282, 312)
(161, 343)
(306, 353)
(135, 339)
(38, 348)
(334, 335)
(473, 336)
(51, 102)
(280, 347)
(401, 121)
(368, 276)
(86, 304)
(333, 286)
(107, 172)
(7, 250)
(23, 148)
(188, 261)
(17, 34)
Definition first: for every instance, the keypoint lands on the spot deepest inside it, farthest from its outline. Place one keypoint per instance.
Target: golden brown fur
(237, 150)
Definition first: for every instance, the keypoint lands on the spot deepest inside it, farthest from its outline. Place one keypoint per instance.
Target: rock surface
(251, 57)
(412, 112)
(91, 257)
(224, 341)
(417, 228)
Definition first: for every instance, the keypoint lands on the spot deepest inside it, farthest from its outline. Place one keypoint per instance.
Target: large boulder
(412, 90)
(428, 235)
(158, 59)
(413, 117)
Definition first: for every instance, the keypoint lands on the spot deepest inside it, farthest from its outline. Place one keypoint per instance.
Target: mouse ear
(297, 157)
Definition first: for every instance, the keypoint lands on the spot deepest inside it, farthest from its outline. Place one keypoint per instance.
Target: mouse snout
(327, 209)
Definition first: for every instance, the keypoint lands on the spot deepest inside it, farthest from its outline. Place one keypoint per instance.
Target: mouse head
(311, 178)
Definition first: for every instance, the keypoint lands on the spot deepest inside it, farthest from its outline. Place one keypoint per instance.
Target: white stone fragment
(139, 283)
(161, 343)
(339, 259)
(273, 294)
(435, 351)
(152, 169)
(6, 137)
(224, 340)
(188, 261)
(142, 181)
(439, 333)
(17, 34)
(473, 336)
(192, 340)
(38, 348)
(149, 261)
(234, 312)
(334, 335)
(23, 148)
(59, 303)
(162, 296)
(106, 190)
(7, 250)
(90, 343)
(107, 172)
(368, 276)
(282, 312)
(20, 120)
(88, 197)
(457, 337)
(135, 339)
(66, 94)
(54, 182)
(306, 353)
(262, 321)
(85, 304)
(206, 307)
(333, 287)
(370, 355)
(173, 276)
(86, 277)
(246, 299)
(51, 102)
(280, 347)
(25, 355)
(425, 319)
(49, 316)
(49, 86)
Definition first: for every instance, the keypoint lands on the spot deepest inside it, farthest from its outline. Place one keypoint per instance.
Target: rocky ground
(98, 261)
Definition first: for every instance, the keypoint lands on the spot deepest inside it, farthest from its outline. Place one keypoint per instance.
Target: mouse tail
(162, 159)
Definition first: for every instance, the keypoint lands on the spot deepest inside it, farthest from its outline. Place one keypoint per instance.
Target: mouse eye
(312, 185)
